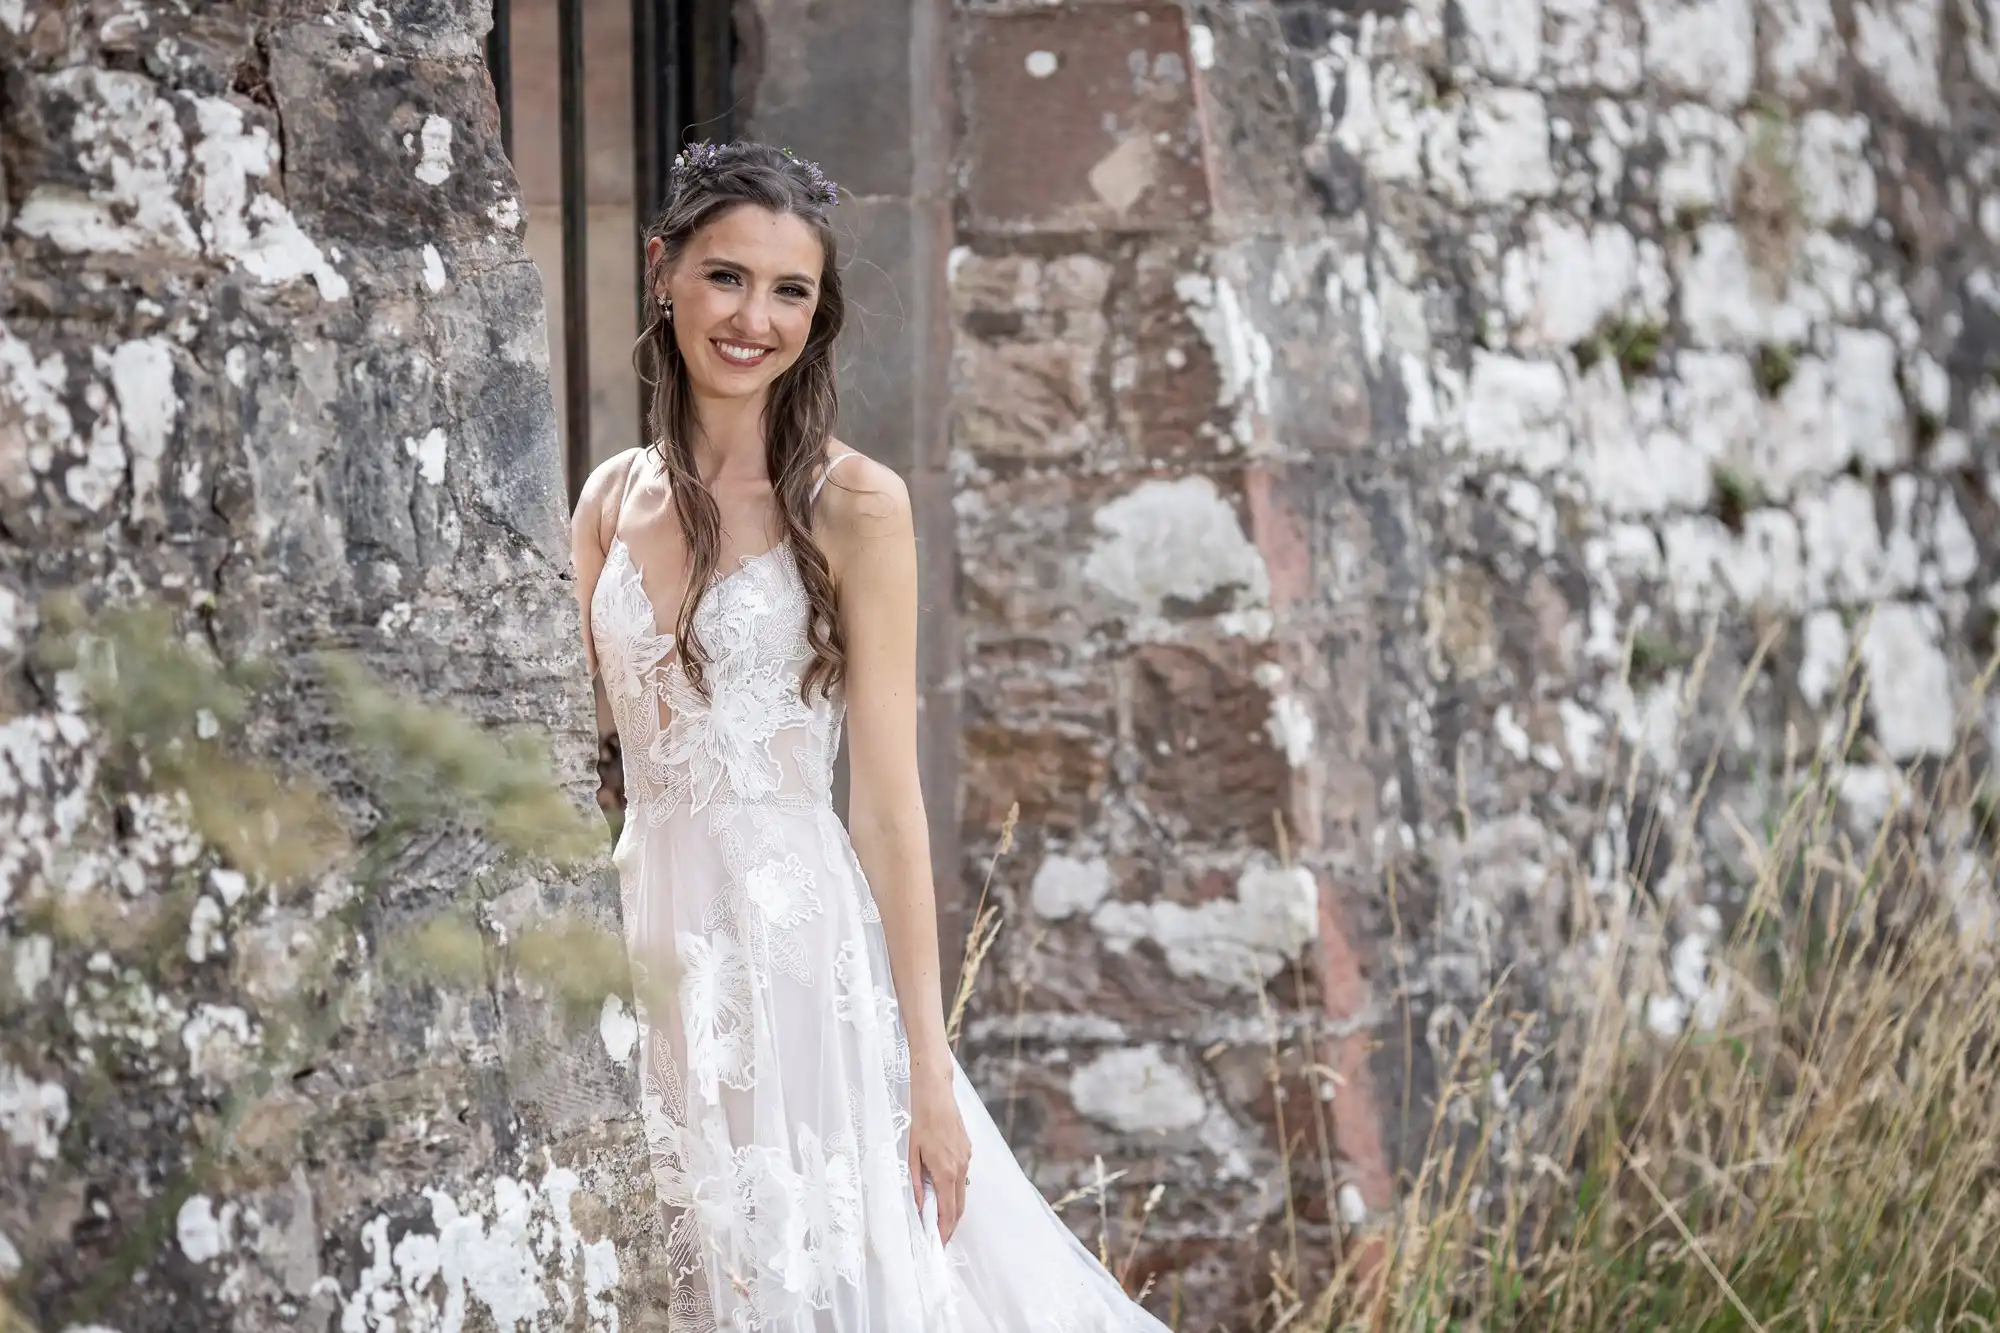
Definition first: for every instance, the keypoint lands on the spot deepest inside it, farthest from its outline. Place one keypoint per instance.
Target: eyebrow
(720, 262)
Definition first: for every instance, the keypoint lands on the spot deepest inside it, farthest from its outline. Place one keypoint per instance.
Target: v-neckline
(715, 580)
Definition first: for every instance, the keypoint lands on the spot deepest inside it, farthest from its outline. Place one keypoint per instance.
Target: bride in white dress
(747, 582)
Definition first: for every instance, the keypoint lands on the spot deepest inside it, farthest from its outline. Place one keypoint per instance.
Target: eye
(795, 292)
(723, 276)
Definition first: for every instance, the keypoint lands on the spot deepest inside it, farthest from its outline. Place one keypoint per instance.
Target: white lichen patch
(1897, 42)
(32, 1113)
(434, 167)
(129, 141)
(1836, 184)
(1728, 303)
(1504, 37)
(618, 1029)
(1628, 456)
(1835, 410)
(1705, 49)
(520, 1256)
(31, 412)
(1824, 659)
(32, 964)
(205, 935)
(230, 885)
(1506, 146)
(429, 454)
(1235, 942)
(1701, 149)
(1175, 541)
(1569, 279)
(1242, 353)
(1802, 48)
(1593, 45)
(142, 380)
(1138, 1090)
(1910, 700)
(1699, 992)
(434, 276)
(242, 223)
(1066, 886)
(203, 1232)
(1290, 727)
(1843, 543)
(219, 1041)
(1516, 413)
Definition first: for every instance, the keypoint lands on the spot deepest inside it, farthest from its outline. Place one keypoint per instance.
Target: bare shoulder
(863, 498)
(601, 489)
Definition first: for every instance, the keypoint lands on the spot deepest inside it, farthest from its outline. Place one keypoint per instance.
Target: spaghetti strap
(826, 472)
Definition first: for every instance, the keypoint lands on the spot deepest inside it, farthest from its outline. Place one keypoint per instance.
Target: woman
(747, 581)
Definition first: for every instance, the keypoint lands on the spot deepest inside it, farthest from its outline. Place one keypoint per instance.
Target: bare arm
(591, 528)
(875, 557)
(871, 542)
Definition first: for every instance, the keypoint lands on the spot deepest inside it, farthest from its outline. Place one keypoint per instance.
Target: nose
(753, 316)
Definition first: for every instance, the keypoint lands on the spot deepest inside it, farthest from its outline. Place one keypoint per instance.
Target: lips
(740, 354)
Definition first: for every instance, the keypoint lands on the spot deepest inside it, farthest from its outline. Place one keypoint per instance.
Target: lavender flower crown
(697, 159)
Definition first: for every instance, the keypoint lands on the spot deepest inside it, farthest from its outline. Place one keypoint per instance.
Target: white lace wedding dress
(775, 1072)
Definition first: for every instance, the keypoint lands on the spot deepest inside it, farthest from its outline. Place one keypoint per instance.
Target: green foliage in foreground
(177, 726)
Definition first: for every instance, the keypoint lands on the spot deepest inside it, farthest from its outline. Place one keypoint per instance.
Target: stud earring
(666, 308)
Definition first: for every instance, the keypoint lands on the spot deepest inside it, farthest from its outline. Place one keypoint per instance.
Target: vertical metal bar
(500, 68)
(686, 56)
(575, 244)
(683, 55)
(711, 57)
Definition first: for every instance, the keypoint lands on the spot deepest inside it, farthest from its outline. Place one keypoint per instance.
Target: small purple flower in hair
(695, 158)
(827, 192)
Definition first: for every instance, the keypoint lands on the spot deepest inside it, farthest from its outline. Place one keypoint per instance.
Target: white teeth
(740, 353)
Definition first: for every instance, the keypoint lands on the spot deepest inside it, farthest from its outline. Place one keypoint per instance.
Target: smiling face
(744, 292)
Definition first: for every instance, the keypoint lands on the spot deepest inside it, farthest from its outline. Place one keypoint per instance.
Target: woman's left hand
(939, 1148)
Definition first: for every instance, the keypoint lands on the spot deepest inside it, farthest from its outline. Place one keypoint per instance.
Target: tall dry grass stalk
(979, 938)
(1823, 1158)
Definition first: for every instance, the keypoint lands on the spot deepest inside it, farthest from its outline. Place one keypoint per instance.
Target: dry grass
(1821, 1157)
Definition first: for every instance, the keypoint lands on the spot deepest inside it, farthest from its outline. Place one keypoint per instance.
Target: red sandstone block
(1082, 119)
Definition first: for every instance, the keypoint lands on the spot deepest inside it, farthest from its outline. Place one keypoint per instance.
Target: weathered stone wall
(1340, 389)
(272, 359)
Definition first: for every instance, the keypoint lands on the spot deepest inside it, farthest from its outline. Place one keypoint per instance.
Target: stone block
(1168, 385)
(878, 346)
(833, 83)
(1028, 356)
(1026, 400)
(1056, 773)
(376, 158)
(1082, 119)
(1205, 763)
(1019, 541)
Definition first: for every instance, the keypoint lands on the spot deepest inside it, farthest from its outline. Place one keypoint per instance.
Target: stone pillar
(273, 363)
(860, 87)
(1161, 438)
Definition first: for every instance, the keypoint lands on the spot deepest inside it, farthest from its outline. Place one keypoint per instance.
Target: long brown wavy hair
(798, 417)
